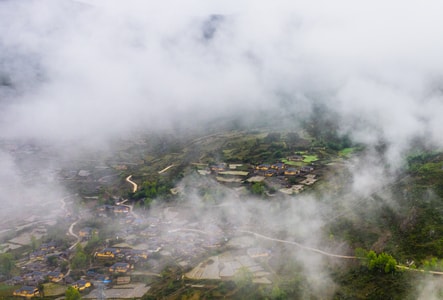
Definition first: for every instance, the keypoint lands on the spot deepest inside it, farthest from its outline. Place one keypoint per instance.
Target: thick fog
(99, 69)
(87, 72)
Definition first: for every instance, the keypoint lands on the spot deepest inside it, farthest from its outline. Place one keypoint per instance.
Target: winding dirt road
(298, 245)
(165, 169)
(134, 185)
(331, 254)
(71, 233)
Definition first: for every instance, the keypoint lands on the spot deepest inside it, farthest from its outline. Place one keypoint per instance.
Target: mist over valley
(231, 151)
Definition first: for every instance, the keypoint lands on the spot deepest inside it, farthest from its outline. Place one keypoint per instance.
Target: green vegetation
(80, 259)
(7, 290)
(292, 163)
(52, 289)
(346, 152)
(405, 220)
(6, 263)
(258, 188)
(72, 294)
(152, 189)
(310, 158)
(93, 243)
(411, 230)
(376, 262)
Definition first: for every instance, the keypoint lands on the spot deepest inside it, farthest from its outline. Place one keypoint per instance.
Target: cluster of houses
(127, 254)
(122, 213)
(32, 280)
(123, 258)
(106, 210)
(45, 250)
(27, 292)
(279, 169)
(37, 271)
(278, 174)
(86, 233)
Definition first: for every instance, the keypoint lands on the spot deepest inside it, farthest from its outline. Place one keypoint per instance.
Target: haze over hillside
(79, 77)
(98, 69)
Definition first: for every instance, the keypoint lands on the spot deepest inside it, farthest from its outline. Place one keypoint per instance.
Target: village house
(107, 253)
(55, 276)
(118, 209)
(87, 232)
(38, 255)
(81, 285)
(27, 292)
(34, 278)
(292, 172)
(295, 158)
(263, 167)
(49, 247)
(307, 169)
(278, 166)
(270, 172)
(139, 253)
(218, 167)
(120, 267)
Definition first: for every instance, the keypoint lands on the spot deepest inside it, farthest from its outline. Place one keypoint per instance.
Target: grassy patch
(346, 152)
(7, 290)
(54, 289)
(292, 163)
(309, 158)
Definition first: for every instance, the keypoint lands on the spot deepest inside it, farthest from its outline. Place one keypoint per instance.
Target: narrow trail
(299, 245)
(331, 254)
(71, 227)
(187, 229)
(165, 169)
(71, 233)
(419, 270)
(63, 203)
(134, 185)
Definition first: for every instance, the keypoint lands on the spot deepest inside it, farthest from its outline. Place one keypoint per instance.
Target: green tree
(361, 254)
(258, 188)
(93, 243)
(72, 294)
(246, 288)
(34, 243)
(277, 293)
(243, 277)
(52, 261)
(6, 263)
(80, 259)
(41, 289)
(381, 262)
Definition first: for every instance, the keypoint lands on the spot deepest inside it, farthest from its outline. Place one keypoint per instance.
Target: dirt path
(134, 185)
(165, 169)
(63, 202)
(419, 270)
(187, 229)
(299, 245)
(71, 233)
(331, 254)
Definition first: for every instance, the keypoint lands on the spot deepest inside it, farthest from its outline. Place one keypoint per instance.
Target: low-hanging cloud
(94, 70)
(99, 69)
